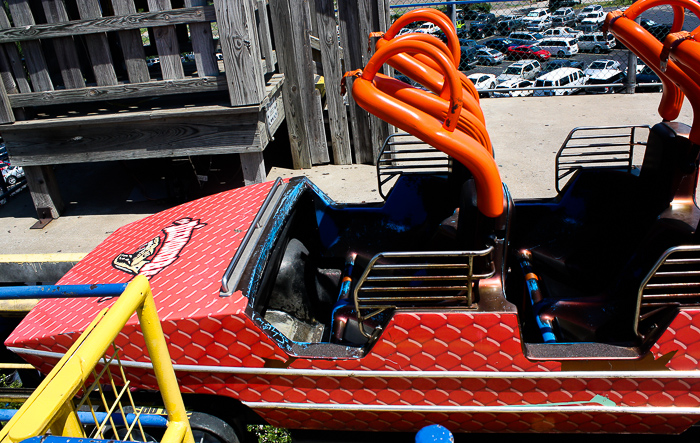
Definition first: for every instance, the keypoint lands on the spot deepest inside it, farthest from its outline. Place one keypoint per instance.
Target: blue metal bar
(86, 418)
(61, 291)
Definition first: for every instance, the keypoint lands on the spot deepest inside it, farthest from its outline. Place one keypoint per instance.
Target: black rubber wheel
(597, 50)
(560, 54)
(209, 429)
(11, 180)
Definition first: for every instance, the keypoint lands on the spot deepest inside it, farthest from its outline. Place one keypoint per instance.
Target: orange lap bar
(429, 77)
(426, 127)
(676, 81)
(433, 105)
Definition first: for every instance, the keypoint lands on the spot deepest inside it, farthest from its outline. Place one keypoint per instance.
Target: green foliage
(270, 434)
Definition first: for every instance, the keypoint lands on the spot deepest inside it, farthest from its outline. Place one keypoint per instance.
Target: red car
(528, 51)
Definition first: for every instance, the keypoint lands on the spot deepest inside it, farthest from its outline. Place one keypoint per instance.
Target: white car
(536, 15)
(593, 18)
(483, 82)
(604, 72)
(560, 77)
(596, 42)
(560, 46)
(527, 69)
(428, 28)
(11, 174)
(587, 10)
(514, 83)
(563, 31)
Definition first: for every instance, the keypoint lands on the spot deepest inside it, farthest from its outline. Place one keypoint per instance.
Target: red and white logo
(160, 252)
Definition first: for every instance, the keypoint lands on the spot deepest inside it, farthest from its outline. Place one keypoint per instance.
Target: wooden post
(166, 42)
(66, 53)
(265, 36)
(203, 44)
(301, 103)
(44, 190)
(332, 73)
(31, 50)
(132, 45)
(6, 114)
(15, 68)
(97, 45)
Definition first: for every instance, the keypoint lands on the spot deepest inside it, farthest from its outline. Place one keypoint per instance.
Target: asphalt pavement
(526, 133)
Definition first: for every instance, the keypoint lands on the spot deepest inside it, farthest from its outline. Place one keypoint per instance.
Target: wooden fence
(95, 80)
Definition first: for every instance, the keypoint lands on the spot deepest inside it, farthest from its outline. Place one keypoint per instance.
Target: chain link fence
(550, 47)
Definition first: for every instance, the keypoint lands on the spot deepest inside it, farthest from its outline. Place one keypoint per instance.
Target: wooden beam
(122, 22)
(203, 44)
(43, 188)
(66, 54)
(241, 52)
(166, 42)
(15, 67)
(100, 93)
(31, 50)
(131, 42)
(332, 72)
(98, 46)
(301, 106)
(265, 36)
(6, 114)
(253, 167)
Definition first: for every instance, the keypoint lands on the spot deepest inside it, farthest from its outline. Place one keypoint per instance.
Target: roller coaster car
(449, 303)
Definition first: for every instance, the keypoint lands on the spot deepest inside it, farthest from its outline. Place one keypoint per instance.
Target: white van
(560, 46)
(560, 77)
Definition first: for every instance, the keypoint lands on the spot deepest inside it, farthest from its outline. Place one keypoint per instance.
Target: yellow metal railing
(51, 408)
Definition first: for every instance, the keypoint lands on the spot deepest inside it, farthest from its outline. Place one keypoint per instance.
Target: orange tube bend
(468, 122)
(647, 48)
(432, 79)
(456, 144)
(448, 70)
(642, 5)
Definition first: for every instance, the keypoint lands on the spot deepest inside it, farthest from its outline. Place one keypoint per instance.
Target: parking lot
(660, 15)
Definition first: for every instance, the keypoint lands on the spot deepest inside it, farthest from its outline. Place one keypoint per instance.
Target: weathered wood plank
(302, 107)
(55, 12)
(43, 188)
(131, 43)
(265, 36)
(98, 47)
(32, 51)
(253, 166)
(14, 68)
(240, 51)
(124, 21)
(203, 44)
(170, 136)
(381, 20)
(354, 18)
(6, 114)
(332, 72)
(149, 89)
(166, 42)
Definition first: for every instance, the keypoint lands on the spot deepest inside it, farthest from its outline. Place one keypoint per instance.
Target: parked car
(604, 72)
(658, 30)
(528, 51)
(500, 44)
(560, 77)
(540, 25)
(528, 38)
(536, 15)
(563, 31)
(483, 26)
(515, 82)
(509, 23)
(647, 80)
(556, 4)
(468, 14)
(3, 152)
(560, 46)
(11, 174)
(483, 81)
(489, 56)
(551, 65)
(596, 42)
(595, 18)
(428, 28)
(588, 9)
(563, 17)
(468, 54)
(527, 69)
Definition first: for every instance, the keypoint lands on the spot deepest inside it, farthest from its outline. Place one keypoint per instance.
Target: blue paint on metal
(434, 434)
(61, 291)
(86, 418)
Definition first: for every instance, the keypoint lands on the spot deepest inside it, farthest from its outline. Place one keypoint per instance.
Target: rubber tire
(561, 54)
(11, 180)
(597, 50)
(209, 429)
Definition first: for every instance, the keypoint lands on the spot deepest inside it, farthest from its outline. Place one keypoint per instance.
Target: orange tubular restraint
(422, 68)
(456, 143)
(678, 75)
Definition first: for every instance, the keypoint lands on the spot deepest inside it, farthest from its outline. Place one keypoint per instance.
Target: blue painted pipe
(61, 291)
(86, 418)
